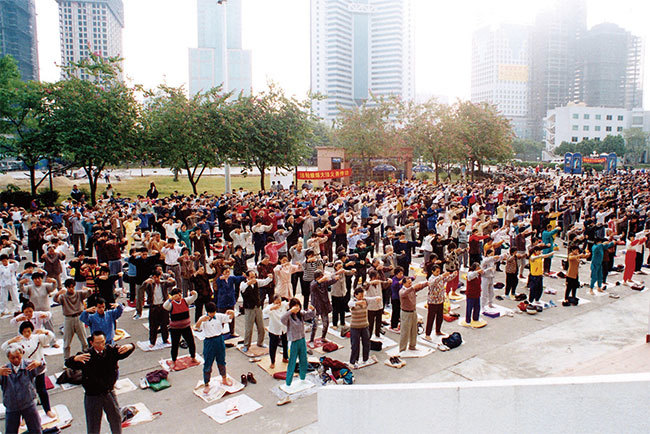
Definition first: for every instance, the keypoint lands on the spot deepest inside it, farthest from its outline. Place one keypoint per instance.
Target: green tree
(609, 144)
(636, 143)
(95, 122)
(272, 130)
(188, 134)
(587, 147)
(564, 147)
(431, 128)
(367, 131)
(322, 135)
(527, 150)
(22, 110)
(482, 133)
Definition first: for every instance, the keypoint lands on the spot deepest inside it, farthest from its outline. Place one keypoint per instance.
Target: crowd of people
(299, 256)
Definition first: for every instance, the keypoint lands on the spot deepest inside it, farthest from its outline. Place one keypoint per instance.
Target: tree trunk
(262, 172)
(32, 179)
(193, 184)
(437, 170)
(92, 182)
(175, 175)
(472, 169)
(49, 167)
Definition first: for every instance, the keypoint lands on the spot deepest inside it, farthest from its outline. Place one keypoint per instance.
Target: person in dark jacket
(403, 249)
(239, 267)
(99, 373)
(321, 301)
(152, 193)
(18, 392)
(144, 266)
(201, 284)
(226, 299)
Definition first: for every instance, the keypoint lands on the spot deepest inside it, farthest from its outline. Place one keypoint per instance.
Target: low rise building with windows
(578, 122)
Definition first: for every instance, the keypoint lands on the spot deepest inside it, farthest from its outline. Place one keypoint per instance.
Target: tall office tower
(609, 68)
(553, 60)
(634, 76)
(359, 47)
(18, 35)
(220, 60)
(500, 72)
(90, 26)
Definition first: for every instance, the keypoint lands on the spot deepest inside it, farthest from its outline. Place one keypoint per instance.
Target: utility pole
(226, 173)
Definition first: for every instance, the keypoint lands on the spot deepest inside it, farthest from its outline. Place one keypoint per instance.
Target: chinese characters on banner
(597, 160)
(325, 174)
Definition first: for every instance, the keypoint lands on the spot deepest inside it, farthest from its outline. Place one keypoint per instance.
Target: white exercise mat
(419, 352)
(144, 345)
(232, 408)
(51, 351)
(217, 389)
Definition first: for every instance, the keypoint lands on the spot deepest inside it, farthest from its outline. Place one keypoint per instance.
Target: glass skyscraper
(18, 35)
(220, 58)
(359, 47)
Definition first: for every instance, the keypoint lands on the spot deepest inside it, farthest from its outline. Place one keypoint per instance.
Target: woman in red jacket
(473, 295)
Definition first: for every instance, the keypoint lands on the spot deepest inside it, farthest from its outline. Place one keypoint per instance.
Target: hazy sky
(158, 33)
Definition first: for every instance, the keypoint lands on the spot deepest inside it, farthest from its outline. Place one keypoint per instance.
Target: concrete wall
(594, 404)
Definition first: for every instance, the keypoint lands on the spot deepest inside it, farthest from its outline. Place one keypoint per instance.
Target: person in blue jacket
(98, 318)
(226, 299)
(548, 238)
(597, 254)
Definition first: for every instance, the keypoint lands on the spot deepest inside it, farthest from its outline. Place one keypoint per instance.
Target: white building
(577, 122)
(220, 58)
(500, 72)
(359, 47)
(90, 26)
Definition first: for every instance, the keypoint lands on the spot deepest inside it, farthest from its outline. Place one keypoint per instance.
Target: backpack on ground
(346, 375)
(453, 340)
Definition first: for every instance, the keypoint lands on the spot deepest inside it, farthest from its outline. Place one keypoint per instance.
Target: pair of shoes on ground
(395, 360)
(248, 378)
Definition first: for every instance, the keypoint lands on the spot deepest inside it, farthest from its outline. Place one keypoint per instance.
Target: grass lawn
(166, 185)
(139, 185)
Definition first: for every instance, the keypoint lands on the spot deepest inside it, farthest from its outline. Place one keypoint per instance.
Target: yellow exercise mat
(63, 419)
(121, 334)
(417, 271)
(265, 364)
(253, 350)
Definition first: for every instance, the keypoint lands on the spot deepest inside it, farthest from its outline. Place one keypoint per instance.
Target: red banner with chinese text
(325, 174)
(597, 160)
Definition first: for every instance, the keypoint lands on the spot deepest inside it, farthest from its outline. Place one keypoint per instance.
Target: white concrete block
(603, 404)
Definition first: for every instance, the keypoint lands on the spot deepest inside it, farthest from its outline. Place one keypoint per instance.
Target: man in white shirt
(214, 348)
(8, 284)
(172, 252)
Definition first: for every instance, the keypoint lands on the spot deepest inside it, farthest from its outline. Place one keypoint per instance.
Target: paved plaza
(559, 341)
